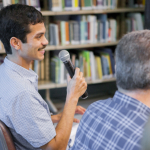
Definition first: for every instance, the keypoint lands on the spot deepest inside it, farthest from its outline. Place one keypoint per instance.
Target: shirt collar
(131, 103)
(28, 74)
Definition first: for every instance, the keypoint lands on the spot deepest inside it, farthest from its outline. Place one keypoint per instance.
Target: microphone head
(64, 55)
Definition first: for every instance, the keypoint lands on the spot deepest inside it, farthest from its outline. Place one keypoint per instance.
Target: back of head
(14, 22)
(133, 61)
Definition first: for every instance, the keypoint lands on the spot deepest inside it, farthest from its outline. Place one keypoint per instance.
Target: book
(74, 32)
(12, 1)
(56, 5)
(50, 5)
(42, 70)
(100, 31)
(92, 29)
(63, 33)
(106, 55)
(86, 4)
(63, 5)
(110, 53)
(36, 66)
(78, 19)
(113, 27)
(98, 67)
(99, 4)
(105, 66)
(94, 5)
(103, 19)
(47, 66)
(138, 18)
(22, 2)
(36, 4)
(75, 4)
(68, 5)
(67, 33)
(52, 30)
(92, 65)
(86, 55)
(53, 70)
(6, 2)
(81, 62)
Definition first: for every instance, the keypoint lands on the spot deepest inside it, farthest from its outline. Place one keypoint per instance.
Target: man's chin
(40, 58)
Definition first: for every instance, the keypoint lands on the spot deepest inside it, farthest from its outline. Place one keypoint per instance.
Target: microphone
(65, 58)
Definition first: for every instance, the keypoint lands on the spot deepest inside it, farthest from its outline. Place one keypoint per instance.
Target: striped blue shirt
(22, 108)
(113, 124)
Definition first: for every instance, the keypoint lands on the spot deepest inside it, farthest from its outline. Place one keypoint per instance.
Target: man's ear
(15, 43)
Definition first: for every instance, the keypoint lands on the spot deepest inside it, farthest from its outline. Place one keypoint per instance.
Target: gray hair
(132, 57)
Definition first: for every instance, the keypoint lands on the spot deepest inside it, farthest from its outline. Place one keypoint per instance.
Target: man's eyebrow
(40, 33)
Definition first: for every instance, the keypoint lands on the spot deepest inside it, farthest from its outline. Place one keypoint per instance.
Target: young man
(22, 109)
(117, 123)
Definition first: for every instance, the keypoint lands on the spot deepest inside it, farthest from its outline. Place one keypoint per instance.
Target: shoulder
(13, 84)
(99, 105)
(96, 110)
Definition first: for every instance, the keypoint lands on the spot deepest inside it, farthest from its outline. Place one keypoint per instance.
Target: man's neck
(141, 95)
(19, 61)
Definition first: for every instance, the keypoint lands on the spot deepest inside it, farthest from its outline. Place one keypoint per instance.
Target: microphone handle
(71, 70)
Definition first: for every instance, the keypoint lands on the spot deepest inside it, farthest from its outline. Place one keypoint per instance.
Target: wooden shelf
(42, 85)
(2, 51)
(96, 11)
(51, 48)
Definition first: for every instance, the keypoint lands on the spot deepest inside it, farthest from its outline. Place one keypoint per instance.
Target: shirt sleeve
(30, 117)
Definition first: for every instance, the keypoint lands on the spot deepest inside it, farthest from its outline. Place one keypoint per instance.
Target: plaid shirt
(112, 124)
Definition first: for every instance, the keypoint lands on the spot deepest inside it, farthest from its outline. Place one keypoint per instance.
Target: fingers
(77, 70)
(76, 120)
(80, 110)
(80, 74)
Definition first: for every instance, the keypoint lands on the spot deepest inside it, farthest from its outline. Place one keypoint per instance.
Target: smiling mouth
(41, 49)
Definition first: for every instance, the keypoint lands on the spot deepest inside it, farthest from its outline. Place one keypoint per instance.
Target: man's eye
(38, 37)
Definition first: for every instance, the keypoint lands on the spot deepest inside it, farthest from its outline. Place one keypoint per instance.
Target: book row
(35, 3)
(69, 5)
(83, 29)
(134, 21)
(74, 5)
(95, 65)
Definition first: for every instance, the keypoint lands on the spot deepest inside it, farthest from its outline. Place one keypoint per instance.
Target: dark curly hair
(14, 22)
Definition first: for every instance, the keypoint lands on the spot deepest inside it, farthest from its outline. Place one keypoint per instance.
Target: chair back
(6, 142)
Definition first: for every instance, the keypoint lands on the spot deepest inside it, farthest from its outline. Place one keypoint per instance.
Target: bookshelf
(45, 84)
(42, 85)
(50, 48)
(83, 12)
(53, 48)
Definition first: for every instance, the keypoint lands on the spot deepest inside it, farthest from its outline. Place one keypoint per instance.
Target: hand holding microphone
(78, 84)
